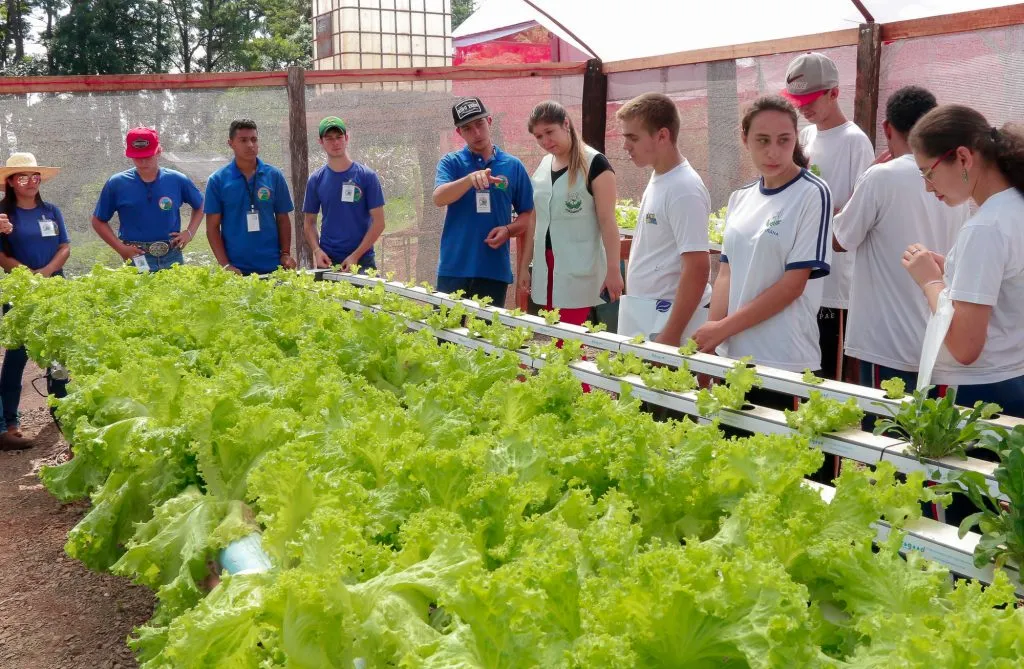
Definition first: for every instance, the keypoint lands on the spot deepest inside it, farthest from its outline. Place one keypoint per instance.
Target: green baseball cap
(332, 122)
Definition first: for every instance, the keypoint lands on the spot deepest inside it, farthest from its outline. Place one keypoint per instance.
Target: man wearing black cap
(480, 185)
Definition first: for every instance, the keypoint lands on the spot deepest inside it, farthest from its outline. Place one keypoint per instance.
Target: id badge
(348, 193)
(483, 202)
(252, 221)
(140, 262)
(47, 227)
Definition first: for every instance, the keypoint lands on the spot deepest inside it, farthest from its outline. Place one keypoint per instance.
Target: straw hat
(26, 162)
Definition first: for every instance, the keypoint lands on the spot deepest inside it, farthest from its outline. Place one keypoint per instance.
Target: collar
(236, 173)
(775, 191)
(474, 158)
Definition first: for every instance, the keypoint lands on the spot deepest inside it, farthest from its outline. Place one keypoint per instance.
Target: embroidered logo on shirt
(651, 219)
(773, 223)
(263, 194)
(503, 184)
(662, 306)
(166, 203)
(573, 203)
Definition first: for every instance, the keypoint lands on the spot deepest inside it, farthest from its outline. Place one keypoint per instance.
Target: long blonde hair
(552, 112)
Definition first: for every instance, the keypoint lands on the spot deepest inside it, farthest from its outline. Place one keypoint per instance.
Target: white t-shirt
(673, 220)
(890, 210)
(986, 266)
(842, 154)
(767, 232)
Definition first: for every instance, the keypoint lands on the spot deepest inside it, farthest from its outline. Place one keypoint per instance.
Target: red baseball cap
(801, 100)
(142, 143)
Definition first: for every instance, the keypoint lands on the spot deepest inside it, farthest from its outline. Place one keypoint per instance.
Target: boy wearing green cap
(349, 196)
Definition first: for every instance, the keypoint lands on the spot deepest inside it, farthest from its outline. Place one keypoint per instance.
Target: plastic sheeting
(622, 29)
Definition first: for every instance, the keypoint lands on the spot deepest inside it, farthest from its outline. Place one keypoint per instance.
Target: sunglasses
(927, 174)
(26, 179)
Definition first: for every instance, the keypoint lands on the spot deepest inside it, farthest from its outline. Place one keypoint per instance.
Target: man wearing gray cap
(841, 152)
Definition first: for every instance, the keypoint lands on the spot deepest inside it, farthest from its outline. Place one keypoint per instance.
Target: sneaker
(13, 442)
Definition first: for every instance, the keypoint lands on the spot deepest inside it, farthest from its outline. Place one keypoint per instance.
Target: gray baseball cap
(808, 77)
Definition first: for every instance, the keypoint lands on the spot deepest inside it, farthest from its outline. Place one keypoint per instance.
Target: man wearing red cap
(840, 152)
(147, 200)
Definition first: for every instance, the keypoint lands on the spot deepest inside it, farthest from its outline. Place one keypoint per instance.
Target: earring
(964, 176)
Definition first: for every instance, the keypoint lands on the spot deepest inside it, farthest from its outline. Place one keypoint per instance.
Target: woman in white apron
(980, 283)
(574, 231)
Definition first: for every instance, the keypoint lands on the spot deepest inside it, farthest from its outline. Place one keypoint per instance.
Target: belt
(155, 249)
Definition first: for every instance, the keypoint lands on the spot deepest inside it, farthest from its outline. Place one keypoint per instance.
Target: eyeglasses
(26, 179)
(927, 174)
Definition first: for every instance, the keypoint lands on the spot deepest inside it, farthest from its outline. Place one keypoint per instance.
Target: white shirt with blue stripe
(769, 231)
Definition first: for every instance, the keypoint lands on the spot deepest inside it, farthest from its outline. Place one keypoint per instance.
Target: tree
(461, 9)
(111, 37)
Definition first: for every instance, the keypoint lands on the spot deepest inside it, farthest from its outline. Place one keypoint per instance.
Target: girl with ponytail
(962, 157)
(776, 246)
(574, 230)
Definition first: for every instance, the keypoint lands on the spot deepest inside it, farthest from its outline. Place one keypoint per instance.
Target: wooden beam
(446, 73)
(595, 105)
(299, 151)
(979, 19)
(140, 82)
(749, 50)
(869, 59)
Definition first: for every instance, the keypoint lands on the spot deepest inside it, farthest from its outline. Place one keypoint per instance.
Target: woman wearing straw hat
(38, 241)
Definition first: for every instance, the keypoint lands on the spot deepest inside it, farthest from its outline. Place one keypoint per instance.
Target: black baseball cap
(468, 110)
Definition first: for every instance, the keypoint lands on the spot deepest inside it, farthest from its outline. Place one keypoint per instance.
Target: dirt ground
(54, 612)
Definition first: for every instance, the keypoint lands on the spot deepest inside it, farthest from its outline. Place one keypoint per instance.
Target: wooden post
(869, 60)
(299, 150)
(595, 104)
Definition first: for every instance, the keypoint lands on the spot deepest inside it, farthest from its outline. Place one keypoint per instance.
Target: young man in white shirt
(890, 210)
(667, 290)
(840, 152)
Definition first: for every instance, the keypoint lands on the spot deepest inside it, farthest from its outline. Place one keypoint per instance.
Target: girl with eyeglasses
(963, 158)
(38, 241)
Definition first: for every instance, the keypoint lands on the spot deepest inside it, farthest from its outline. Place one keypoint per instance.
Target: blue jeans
(1008, 394)
(492, 288)
(173, 257)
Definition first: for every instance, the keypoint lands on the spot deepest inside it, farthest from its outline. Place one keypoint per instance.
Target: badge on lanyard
(252, 221)
(348, 192)
(47, 227)
(140, 262)
(483, 202)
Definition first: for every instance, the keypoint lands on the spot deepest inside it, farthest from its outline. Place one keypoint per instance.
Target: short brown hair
(655, 111)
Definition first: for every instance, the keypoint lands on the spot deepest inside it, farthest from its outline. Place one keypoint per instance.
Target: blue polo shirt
(147, 212)
(231, 195)
(26, 242)
(344, 223)
(463, 251)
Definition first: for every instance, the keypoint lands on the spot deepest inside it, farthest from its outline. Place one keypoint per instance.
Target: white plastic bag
(934, 338)
(647, 317)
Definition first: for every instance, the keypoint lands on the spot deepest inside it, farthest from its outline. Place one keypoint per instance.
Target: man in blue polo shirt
(147, 200)
(247, 207)
(481, 185)
(351, 199)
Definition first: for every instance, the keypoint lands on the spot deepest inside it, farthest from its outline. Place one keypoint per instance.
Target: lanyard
(251, 190)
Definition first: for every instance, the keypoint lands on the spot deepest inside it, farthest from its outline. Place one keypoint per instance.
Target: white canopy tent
(615, 30)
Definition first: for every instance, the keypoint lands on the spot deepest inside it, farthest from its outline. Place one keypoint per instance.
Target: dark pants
(831, 333)
(10, 383)
(368, 261)
(470, 286)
